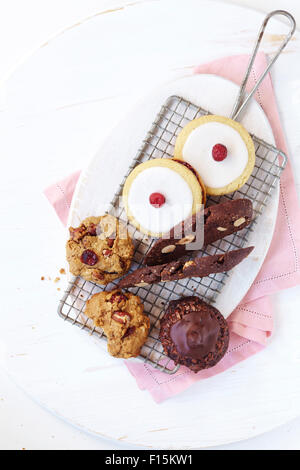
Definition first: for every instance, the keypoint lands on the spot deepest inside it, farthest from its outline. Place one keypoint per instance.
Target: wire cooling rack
(159, 143)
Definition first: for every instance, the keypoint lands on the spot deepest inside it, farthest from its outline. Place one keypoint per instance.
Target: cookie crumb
(58, 288)
(57, 279)
(62, 271)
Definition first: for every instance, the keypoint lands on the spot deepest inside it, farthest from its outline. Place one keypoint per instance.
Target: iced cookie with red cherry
(160, 193)
(220, 150)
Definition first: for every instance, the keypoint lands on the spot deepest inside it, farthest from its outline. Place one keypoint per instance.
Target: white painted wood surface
(58, 107)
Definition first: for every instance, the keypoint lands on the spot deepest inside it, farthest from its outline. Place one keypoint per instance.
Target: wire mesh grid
(159, 143)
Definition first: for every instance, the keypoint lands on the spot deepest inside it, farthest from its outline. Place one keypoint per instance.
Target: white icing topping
(179, 199)
(197, 151)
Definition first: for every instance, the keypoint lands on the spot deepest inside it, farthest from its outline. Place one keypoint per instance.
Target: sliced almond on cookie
(239, 221)
(168, 249)
(186, 240)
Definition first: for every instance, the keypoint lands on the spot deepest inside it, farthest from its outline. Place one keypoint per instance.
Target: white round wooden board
(101, 178)
(55, 110)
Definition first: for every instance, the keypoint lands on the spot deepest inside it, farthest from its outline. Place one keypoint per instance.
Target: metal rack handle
(240, 104)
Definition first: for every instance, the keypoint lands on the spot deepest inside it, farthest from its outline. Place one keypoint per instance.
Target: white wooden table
(40, 99)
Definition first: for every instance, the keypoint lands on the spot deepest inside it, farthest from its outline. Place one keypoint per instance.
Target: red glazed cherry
(89, 257)
(219, 152)
(157, 199)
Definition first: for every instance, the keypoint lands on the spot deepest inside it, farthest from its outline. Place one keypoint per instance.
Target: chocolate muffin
(193, 333)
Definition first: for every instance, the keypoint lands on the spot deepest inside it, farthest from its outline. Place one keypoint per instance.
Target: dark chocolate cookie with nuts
(196, 267)
(215, 222)
(121, 317)
(193, 333)
(100, 249)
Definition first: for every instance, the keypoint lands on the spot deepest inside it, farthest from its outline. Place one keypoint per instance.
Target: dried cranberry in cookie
(160, 193)
(89, 257)
(221, 151)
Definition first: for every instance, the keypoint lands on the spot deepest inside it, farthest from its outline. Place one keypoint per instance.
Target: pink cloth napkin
(251, 322)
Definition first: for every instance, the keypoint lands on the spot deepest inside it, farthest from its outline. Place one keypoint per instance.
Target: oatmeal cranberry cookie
(100, 249)
(121, 317)
(193, 333)
(219, 221)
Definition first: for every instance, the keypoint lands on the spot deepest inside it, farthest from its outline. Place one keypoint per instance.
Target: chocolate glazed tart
(193, 333)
